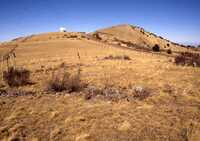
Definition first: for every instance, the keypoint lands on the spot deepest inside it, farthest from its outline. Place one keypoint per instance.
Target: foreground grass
(65, 117)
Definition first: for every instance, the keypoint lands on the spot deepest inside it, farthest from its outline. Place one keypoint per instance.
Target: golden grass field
(170, 113)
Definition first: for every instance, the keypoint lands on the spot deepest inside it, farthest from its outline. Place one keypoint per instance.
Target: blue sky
(177, 20)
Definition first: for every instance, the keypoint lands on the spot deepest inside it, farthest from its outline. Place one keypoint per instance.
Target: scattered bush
(65, 36)
(126, 57)
(63, 81)
(168, 44)
(190, 46)
(97, 36)
(118, 57)
(180, 60)
(188, 58)
(16, 77)
(92, 91)
(109, 93)
(142, 31)
(156, 48)
(168, 89)
(141, 92)
(169, 51)
(126, 43)
(73, 36)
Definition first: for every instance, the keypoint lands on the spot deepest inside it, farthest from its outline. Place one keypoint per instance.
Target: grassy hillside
(129, 94)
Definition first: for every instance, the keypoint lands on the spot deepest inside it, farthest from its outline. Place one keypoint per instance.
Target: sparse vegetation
(142, 31)
(15, 92)
(118, 57)
(169, 51)
(109, 93)
(140, 92)
(156, 48)
(126, 43)
(161, 37)
(190, 46)
(16, 77)
(97, 36)
(168, 89)
(113, 93)
(168, 45)
(64, 81)
(73, 36)
(188, 59)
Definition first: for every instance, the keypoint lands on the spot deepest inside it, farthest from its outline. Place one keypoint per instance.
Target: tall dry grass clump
(16, 77)
(64, 81)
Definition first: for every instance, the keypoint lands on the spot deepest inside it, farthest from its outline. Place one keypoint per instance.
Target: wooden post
(7, 61)
(2, 67)
(14, 62)
(79, 64)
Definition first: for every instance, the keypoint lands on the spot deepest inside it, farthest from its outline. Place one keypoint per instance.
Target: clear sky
(177, 20)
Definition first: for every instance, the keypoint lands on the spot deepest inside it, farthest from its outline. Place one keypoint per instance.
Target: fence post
(2, 61)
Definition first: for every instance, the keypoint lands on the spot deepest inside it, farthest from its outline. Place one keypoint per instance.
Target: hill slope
(121, 34)
(48, 36)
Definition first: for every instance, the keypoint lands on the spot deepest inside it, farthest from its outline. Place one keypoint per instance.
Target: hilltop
(129, 35)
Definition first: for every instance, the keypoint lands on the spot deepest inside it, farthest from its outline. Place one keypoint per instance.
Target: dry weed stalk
(9, 60)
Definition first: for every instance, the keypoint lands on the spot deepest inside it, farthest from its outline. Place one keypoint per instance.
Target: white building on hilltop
(62, 29)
